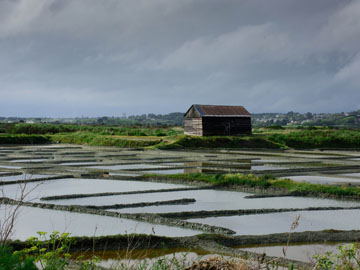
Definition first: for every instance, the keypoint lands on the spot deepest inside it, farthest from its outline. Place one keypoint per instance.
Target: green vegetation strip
(23, 139)
(265, 183)
(102, 140)
(318, 138)
(103, 194)
(23, 128)
(142, 204)
(172, 138)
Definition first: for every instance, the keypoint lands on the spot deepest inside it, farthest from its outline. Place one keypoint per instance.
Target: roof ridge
(221, 110)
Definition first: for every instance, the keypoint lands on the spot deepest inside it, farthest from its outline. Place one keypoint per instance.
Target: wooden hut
(212, 120)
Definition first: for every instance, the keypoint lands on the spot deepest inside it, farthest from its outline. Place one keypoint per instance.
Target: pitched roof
(220, 110)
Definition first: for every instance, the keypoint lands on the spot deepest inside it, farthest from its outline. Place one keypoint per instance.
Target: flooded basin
(137, 258)
(281, 222)
(23, 177)
(80, 186)
(28, 160)
(10, 167)
(267, 167)
(77, 224)
(74, 163)
(215, 200)
(81, 161)
(129, 166)
(314, 179)
(170, 171)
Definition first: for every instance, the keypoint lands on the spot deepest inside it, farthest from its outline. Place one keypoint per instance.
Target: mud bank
(3, 183)
(143, 204)
(103, 194)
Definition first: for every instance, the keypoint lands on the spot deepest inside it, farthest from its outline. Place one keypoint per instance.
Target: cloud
(349, 74)
(342, 31)
(115, 56)
(20, 15)
(248, 44)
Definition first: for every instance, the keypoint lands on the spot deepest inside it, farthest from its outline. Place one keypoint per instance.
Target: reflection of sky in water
(267, 167)
(28, 160)
(321, 179)
(23, 177)
(84, 224)
(128, 166)
(124, 174)
(171, 171)
(79, 163)
(81, 186)
(281, 222)
(10, 167)
(206, 200)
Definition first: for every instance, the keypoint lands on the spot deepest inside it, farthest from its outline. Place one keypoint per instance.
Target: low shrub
(23, 139)
(10, 260)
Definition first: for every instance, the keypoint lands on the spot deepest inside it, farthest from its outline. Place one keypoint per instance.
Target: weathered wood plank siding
(193, 126)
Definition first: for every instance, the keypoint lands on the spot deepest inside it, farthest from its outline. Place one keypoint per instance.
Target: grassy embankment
(85, 134)
(266, 182)
(172, 138)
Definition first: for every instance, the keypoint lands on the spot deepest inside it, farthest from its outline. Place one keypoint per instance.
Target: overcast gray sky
(108, 57)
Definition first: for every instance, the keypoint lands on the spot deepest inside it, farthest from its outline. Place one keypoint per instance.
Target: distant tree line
(351, 119)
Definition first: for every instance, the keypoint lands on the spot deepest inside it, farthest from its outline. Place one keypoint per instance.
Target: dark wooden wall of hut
(217, 126)
(227, 126)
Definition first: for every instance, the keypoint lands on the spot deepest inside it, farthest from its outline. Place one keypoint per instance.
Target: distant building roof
(220, 110)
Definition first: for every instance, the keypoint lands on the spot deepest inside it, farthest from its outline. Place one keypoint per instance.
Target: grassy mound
(101, 140)
(318, 138)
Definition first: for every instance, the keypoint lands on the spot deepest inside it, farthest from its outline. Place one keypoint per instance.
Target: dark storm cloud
(97, 57)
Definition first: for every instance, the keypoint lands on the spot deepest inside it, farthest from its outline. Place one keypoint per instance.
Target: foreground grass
(266, 182)
(23, 128)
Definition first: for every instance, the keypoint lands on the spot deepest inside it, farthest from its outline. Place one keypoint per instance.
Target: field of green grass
(173, 138)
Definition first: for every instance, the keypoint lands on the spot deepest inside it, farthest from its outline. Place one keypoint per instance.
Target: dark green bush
(14, 261)
(23, 139)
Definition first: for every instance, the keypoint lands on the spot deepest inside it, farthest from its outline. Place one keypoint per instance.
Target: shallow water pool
(281, 222)
(23, 177)
(128, 166)
(314, 179)
(212, 200)
(81, 186)
(77, 224)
